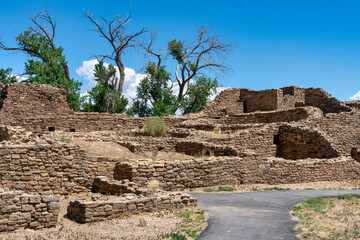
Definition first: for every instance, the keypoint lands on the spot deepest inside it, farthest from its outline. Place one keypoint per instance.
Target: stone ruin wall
(92, 210)
(63, 169)
(319, 98)
(265, 100)
(253, 168)
(299, 143)
(44, 167)
(21, 211)
(226, 103)
(48, 109)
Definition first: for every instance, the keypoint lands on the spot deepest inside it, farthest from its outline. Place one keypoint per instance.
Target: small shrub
(208, 190)
(153, 186)
(155, 126)
(142, 222)
(217, 129)
(155, 153)
(177, 236)
(225, 189)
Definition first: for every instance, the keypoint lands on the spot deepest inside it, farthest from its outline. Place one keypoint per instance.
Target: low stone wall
(84, 211)
(21, 211)
(112, 187)
(234, 170)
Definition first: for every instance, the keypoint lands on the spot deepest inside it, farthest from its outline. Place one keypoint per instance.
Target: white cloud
(219, 90)
(132, 79)
(356, 96)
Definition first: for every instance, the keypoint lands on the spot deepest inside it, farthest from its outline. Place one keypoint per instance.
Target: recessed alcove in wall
(298, 143)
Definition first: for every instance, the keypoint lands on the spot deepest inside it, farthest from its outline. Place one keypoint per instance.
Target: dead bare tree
(206, 52)
(148, 47)
(115, 32)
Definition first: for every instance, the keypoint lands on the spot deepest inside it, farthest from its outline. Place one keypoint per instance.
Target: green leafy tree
(193, 58)
(47, 63)
(198, 94)
(154, 94)
(104, 97)
(6, 77)
(206, 52)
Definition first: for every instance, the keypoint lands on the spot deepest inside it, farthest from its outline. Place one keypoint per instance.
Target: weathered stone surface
(90, 210)
(27, 211)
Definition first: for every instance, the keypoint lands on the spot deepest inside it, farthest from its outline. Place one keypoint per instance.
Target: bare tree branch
(206, 52)
(115, 32)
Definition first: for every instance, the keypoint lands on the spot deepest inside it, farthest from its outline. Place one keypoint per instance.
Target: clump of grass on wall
(155, 126)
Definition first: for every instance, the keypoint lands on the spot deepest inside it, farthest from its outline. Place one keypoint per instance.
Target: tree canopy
(104, 97)
(6, 77)
(46, 63)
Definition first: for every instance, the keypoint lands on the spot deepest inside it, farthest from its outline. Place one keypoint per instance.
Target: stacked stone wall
(292, 95)
(317, 97)
(266, 100)
(234, 170)
(21, 211)
(300, 143)
(226, 103)
(43, 167)
(92, 210)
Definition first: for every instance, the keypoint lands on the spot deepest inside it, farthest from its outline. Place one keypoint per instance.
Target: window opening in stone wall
(51, 129)
(72, 129)
(276, 140)
(245, 107)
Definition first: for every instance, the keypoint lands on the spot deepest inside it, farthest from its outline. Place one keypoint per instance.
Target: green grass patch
(329, 218)
(220, 189)
(276, 189)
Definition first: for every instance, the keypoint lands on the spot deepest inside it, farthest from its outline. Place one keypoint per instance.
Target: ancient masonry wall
(317, 97)
(234, 170)
(226, 103)
(21, 211)
(252, 118)
(341, 129)
(292, 95)
(266, 100)
(92, 210)
(301, 143)
(43, 167)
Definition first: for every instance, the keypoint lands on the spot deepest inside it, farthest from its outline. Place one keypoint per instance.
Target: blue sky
(277, 43)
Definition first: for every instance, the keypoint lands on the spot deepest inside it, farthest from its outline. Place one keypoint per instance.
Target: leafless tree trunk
(115, 32)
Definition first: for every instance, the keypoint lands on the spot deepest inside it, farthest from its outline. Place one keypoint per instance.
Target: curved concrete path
(255, 215)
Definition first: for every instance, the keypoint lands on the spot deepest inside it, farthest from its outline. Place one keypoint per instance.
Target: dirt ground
(135, 227)
(112, 149)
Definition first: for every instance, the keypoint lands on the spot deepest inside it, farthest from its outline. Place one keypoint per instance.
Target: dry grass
(59, 136)
(153, 186)
(341, 185)
(329, 218)
(157, 225)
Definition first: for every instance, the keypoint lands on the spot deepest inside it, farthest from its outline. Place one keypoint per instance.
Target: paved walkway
(255, 215)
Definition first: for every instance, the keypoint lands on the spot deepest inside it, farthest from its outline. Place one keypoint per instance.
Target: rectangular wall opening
(276, 140)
